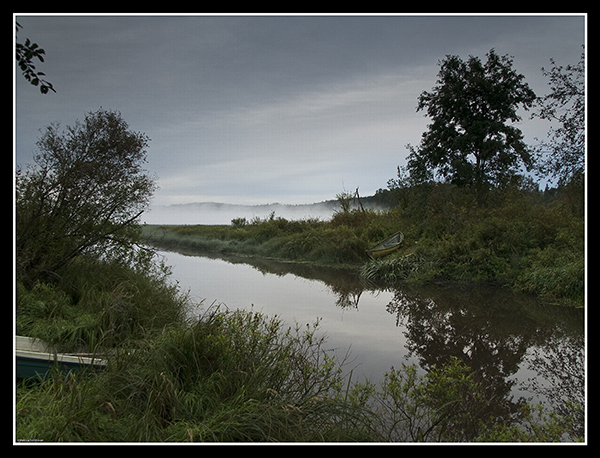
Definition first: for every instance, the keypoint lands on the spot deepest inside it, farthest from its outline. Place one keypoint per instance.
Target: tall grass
(97, 303)
(242, 377)
(391, 271)
(230, 376)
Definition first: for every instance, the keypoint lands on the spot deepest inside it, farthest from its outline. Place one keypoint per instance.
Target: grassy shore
(229, 376)
(343, 240)
(222, 376)
(524, 241)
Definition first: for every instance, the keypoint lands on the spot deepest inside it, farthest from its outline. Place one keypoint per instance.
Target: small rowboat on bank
(386, 246)
(36, 359)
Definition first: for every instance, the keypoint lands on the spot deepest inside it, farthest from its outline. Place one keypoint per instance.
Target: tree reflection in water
(560, 365)
(494, 332)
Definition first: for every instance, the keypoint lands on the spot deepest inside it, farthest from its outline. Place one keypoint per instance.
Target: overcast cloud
(256, 109)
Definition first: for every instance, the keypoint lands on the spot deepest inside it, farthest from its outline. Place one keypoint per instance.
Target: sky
(258, 109)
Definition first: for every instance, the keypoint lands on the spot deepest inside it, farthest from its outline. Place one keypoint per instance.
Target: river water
(522, 347)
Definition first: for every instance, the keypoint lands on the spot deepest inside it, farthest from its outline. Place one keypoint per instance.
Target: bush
(84, 195)
(446, 404)
(239, 222)
(554, 275)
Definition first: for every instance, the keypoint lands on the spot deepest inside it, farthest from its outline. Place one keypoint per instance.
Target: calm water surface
(522, 346)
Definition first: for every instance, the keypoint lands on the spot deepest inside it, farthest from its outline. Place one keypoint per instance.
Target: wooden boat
(35, 359)
(386, 246)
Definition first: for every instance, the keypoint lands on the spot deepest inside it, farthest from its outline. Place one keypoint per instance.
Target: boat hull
(34, 360)
(386, 246)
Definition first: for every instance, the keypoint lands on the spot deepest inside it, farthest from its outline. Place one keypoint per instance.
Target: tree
(566, 104)
(85, 194)
(472, 140)
(24, 55)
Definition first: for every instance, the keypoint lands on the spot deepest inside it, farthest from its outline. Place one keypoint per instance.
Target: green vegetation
(528, 240)
(227, 377)
(343, 240)
(83, 196)
(99, 305)
(473, 140)
(525, 239)
(240, 376)
(86, 282)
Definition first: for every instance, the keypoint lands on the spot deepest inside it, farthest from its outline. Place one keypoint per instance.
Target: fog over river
(219, 213)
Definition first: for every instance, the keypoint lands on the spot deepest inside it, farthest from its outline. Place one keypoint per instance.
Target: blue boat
(34, 358)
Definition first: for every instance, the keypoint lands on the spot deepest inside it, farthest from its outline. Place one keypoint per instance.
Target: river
(523, 346)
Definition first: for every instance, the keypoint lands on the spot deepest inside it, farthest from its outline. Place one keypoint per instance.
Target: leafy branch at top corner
(25, 53)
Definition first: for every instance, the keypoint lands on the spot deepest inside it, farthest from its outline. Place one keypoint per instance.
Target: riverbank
(223, 376)
(241, 376)
(523, 242)
(233, 375)
(309, 240)
(230, 376)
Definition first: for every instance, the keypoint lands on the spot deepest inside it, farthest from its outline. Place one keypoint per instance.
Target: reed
(97, 303)
(230, 376)
(391, 271)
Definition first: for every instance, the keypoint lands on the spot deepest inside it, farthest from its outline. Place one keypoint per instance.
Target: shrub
(239, 222)
(446, 404)
(84, 195)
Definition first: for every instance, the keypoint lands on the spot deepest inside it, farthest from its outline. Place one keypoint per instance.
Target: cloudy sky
(261, 109)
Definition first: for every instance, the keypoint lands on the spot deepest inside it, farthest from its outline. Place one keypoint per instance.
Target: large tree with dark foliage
(473, 140)
(84, 195)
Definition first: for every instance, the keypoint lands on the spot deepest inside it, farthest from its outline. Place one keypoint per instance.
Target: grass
(407, 268)
(522, 240)
(243, 377)
(343, 240)
(98, 303)
(224, 376)
(236, 376)
(229, 377)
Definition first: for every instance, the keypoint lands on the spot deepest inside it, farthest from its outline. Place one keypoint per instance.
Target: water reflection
(491, 330)
(517, 345)
(559, 363)
(343, 282)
